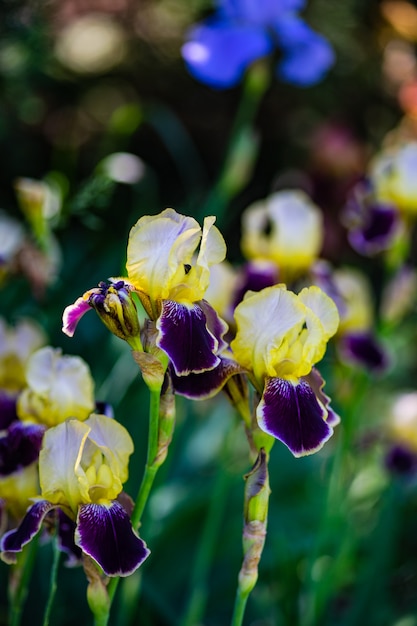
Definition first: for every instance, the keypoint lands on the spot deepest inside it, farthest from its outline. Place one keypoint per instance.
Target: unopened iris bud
(114, 305)
(255, 514)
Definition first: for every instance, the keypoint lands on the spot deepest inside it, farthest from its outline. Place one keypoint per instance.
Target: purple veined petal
(207, 384)
(215, 324)
(184, 336)
(8, 413)
(316, 382)
(105, 533)
(218, 52)
(14, 540)
(72, 315)
(66, 542)
(377, 232)
(291, 413)
(364, 349)
(307, 55)
(20, 446)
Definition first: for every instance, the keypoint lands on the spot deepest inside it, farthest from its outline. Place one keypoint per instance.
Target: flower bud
(115, 306)
(255, 515)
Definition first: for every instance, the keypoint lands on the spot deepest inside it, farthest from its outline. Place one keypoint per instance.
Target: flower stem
(24, 571)
(239, 608)
(52, 581)
(152, 465)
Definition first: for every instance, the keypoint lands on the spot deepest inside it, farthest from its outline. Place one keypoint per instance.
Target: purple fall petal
(316, 382)
(255, 277)
(105, 533)
(20, 446)
(218, 52)
(7, 409)
(215, 324)
(184, 336)
(291, 413)
(377, 232)
(14, 540)
(364, 349)
(207, 384)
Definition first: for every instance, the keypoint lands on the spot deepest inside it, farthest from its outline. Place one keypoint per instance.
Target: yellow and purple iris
(280, 337)
(168, 264)
(82, 468)
(284, 230)
(58, 387)
(393, 178)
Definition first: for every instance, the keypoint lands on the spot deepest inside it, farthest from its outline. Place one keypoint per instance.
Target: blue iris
(219, 50)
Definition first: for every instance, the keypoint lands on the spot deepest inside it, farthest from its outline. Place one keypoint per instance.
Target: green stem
(239, 608)
(52, 582)
(152, 466)
(150, 471)
(18, 597)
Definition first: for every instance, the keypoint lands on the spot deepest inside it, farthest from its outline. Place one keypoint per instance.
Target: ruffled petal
(186, 339)
(218, 52)
(215, 324)
(105, 533)
(207, 384)
(291, 413)
(72, 315)
(316, 382)
(14, 540)
(307, 55)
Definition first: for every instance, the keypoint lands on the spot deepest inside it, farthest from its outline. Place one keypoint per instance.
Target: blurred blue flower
(220, 49)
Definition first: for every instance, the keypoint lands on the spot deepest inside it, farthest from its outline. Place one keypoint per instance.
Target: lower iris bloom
(82, 467)
(220, 49)
(280, 336)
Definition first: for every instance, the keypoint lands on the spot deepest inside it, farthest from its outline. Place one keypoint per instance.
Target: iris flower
(82, 467)
(58, 387)
(286, 230)
(392, 175)
(280, 337)
(221, 48)
(170, 279)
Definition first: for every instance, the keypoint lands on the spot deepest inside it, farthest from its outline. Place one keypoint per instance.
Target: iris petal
(186, 339)
(72, 315)
(14, 540)
(20, 446)
(291, 413)
(218, 52)
(307, 55)
(206, 384)
(105, 533)
(365, 349)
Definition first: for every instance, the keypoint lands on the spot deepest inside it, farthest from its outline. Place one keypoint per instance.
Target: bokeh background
(96, 102)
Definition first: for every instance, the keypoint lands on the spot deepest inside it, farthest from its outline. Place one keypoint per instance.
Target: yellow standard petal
(159, 249)
(280, 334)
(84, 462)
